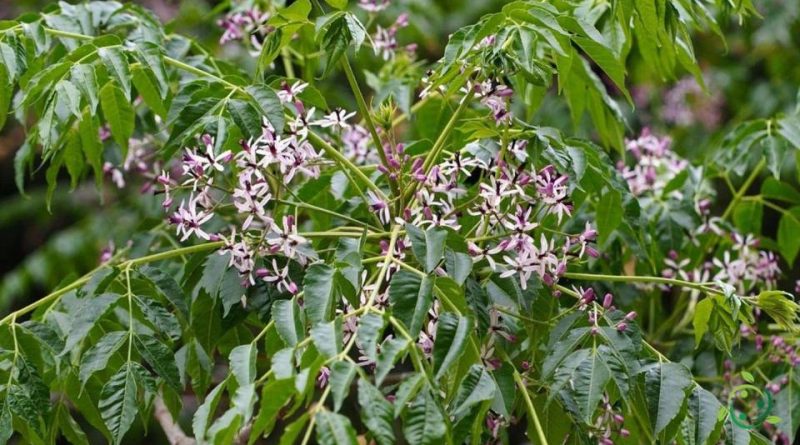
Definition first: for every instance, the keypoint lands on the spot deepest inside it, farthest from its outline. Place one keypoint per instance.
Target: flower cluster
(373, 5)
(686, 104)
(609, 423)
(741, 265)
(273, 157)
(655, 164)
(384, 41)
(244, 26)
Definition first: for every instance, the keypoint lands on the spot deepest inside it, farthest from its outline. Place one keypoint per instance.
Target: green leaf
(161, 360)
(159, 317)
(327, 338)
(376, 413)
(85, 78)
(69, 428)
(780, 306)
(428, 245)
(6, 88)
(476, 387)
(147, 87)
(411, 298)
(293, 430)
(97, 357)
(787, 408)
(92, 149)
(167, 285)
(424, 423)
(788, 228)
(702, 315)
(704, 410)
(73, 158)
(269, 104)
(282, 363)
(334, 429)
(771, 188)
(747, 216)
(6, 428)
(337, 4)
(789, 128)
(457, 260)
(452, 332)
(666, 385)
(609, 214)
(319, 293)
(274, 395)
(407, 391)
(342, 373)
(370, 328)
(118, 113)
(589, 382)
(288, 323)
(391, 350)
(117, 64)
(69, 99)
(335, 40)
(85, 315)
(246, 116)
(118, 404)
(243, 363)
(204, 412)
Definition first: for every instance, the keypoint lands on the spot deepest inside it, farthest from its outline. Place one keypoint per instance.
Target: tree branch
(172, 430)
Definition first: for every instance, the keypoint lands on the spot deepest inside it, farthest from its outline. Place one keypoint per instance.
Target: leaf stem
(367, 115)
(641, 279)
(529, 405)
(345, 163)
(433, 154)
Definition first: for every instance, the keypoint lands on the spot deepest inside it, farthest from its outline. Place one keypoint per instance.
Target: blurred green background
(754, 73)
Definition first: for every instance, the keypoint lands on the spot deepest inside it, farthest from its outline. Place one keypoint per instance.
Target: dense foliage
(402, 252)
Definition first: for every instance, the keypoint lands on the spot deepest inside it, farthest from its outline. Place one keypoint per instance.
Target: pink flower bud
(621, 327)
(630, 316)
(608, 300)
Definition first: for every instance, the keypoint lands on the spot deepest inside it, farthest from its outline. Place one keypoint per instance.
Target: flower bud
(608, 300)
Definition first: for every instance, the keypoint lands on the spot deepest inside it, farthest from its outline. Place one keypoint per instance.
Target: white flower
(286, 240)
(336, 118)
(288, 94)
(189, 220)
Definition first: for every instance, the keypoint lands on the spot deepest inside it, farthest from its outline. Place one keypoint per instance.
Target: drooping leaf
(452, 334)
(288, 323)
(160, 358)
(118, 402)
(118, 113)
(666, 385)
(427, 245)
(274, 395)
(327, 338)
(476, 387)
(96, 358)
(411, 298)
(424, 423)
(390, 353)
(342, 373)
(319, 293)
(370, 327)
(376, 413)
(243, 363)
(788, 227)
(704, 410)
(334, 429)
(85, 315)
